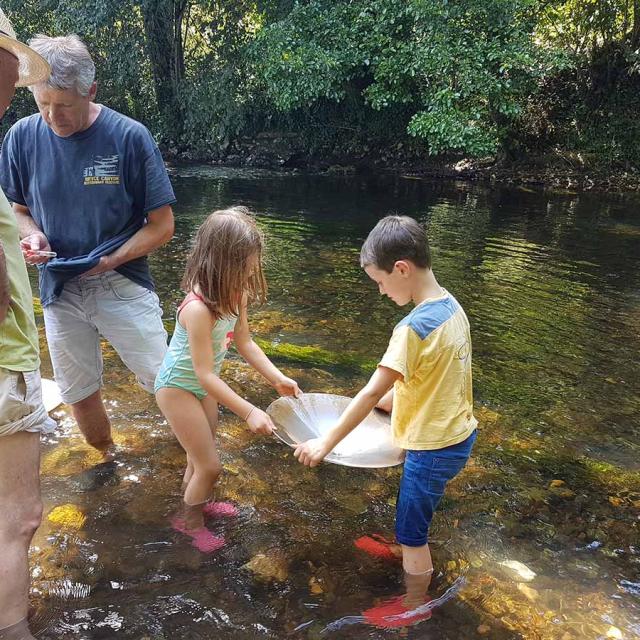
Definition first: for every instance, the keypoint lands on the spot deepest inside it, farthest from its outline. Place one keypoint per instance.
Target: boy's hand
(287, 387)
(260, 422)
(312, 452)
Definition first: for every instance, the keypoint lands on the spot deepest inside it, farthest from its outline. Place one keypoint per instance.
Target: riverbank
(561, 170)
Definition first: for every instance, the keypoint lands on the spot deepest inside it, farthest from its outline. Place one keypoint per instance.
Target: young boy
(428, 364)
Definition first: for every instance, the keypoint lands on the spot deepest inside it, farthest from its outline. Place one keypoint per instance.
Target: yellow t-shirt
(433, 402)
(19, 349)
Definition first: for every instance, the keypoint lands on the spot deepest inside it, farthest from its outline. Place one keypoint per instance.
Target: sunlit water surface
(551, 284)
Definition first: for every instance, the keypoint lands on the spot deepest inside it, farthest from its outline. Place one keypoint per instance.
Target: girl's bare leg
(188, 472)
(190, 420)
(211, 410)
(210, 407)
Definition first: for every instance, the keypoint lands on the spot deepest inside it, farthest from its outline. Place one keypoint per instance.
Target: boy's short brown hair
(396, 238)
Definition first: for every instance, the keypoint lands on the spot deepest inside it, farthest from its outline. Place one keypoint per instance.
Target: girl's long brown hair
(226, 262)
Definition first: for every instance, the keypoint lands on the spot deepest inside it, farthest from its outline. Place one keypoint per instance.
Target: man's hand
(312, 452)
(287, 387)
(33, 243)
(103, 265)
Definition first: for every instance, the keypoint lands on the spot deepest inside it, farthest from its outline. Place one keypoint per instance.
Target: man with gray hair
(93, 199)
(22, 416)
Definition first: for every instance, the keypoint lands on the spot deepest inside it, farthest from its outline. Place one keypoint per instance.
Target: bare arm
(256, 357)
(5, 291)
(386, 402)
(157, 232)
(198, 322)
(312, 452)
(26, 224)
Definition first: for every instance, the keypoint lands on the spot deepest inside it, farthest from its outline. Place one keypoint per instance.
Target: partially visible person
(427, 365)
(5, 287)
(22, 414)
(223, 276)
(95, 192)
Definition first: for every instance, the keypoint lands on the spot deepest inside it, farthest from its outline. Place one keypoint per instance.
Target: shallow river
(539, 537)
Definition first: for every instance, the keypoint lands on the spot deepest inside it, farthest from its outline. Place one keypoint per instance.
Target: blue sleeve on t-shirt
(158, 190)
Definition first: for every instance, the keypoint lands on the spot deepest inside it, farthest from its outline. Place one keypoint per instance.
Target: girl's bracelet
(250, 412)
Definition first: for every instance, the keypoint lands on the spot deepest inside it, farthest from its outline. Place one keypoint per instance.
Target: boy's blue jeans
(424, 479)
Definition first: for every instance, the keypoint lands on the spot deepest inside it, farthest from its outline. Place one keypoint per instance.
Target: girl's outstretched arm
(256, 357)
(198, 322)
(312, 452)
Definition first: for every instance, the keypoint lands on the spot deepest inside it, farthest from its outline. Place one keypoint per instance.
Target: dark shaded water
(551, 284)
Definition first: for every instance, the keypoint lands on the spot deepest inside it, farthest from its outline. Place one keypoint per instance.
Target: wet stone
(353, 502)
(67, 516)
(64, 461)
(528, 592)
(518, 570)
(563, 492)
(269, 567)
(315, 586)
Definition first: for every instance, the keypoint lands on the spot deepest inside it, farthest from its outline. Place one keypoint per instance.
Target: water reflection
(395, 612)
(550, 283)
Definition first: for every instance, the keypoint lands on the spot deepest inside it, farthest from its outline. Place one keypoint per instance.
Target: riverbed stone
(67, 516)
(271, 566)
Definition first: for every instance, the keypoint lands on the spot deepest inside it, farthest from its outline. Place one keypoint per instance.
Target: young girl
(223, 275)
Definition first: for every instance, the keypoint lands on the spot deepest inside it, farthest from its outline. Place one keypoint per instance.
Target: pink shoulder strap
(191, 296)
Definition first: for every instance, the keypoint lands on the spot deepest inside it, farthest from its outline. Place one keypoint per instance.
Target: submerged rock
(528, 592)
(67, 516)
(272, 567)
(64, 461)
(353, 502)
(315, 586)
(519, 570)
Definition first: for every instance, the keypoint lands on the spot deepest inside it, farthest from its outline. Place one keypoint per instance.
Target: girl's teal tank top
(177, 367)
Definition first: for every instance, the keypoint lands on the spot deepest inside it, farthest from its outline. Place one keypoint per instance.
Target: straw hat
(33, 67)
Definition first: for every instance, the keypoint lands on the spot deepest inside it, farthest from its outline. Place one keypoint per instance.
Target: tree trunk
(635, 29)
(163, 33)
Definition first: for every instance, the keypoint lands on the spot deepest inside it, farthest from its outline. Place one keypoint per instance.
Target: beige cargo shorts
(21, 407)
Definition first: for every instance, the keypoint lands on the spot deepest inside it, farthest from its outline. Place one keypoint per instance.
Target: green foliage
(463, 76)
(113, 32)
(462, 67)
(585, 26)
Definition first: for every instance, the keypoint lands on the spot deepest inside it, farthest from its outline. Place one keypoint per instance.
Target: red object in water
(377, 546)
(385, 615)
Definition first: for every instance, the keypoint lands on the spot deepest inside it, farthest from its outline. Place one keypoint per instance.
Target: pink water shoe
(201, 538)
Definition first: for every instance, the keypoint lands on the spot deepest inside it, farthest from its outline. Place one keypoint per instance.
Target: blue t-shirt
(89, 192)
